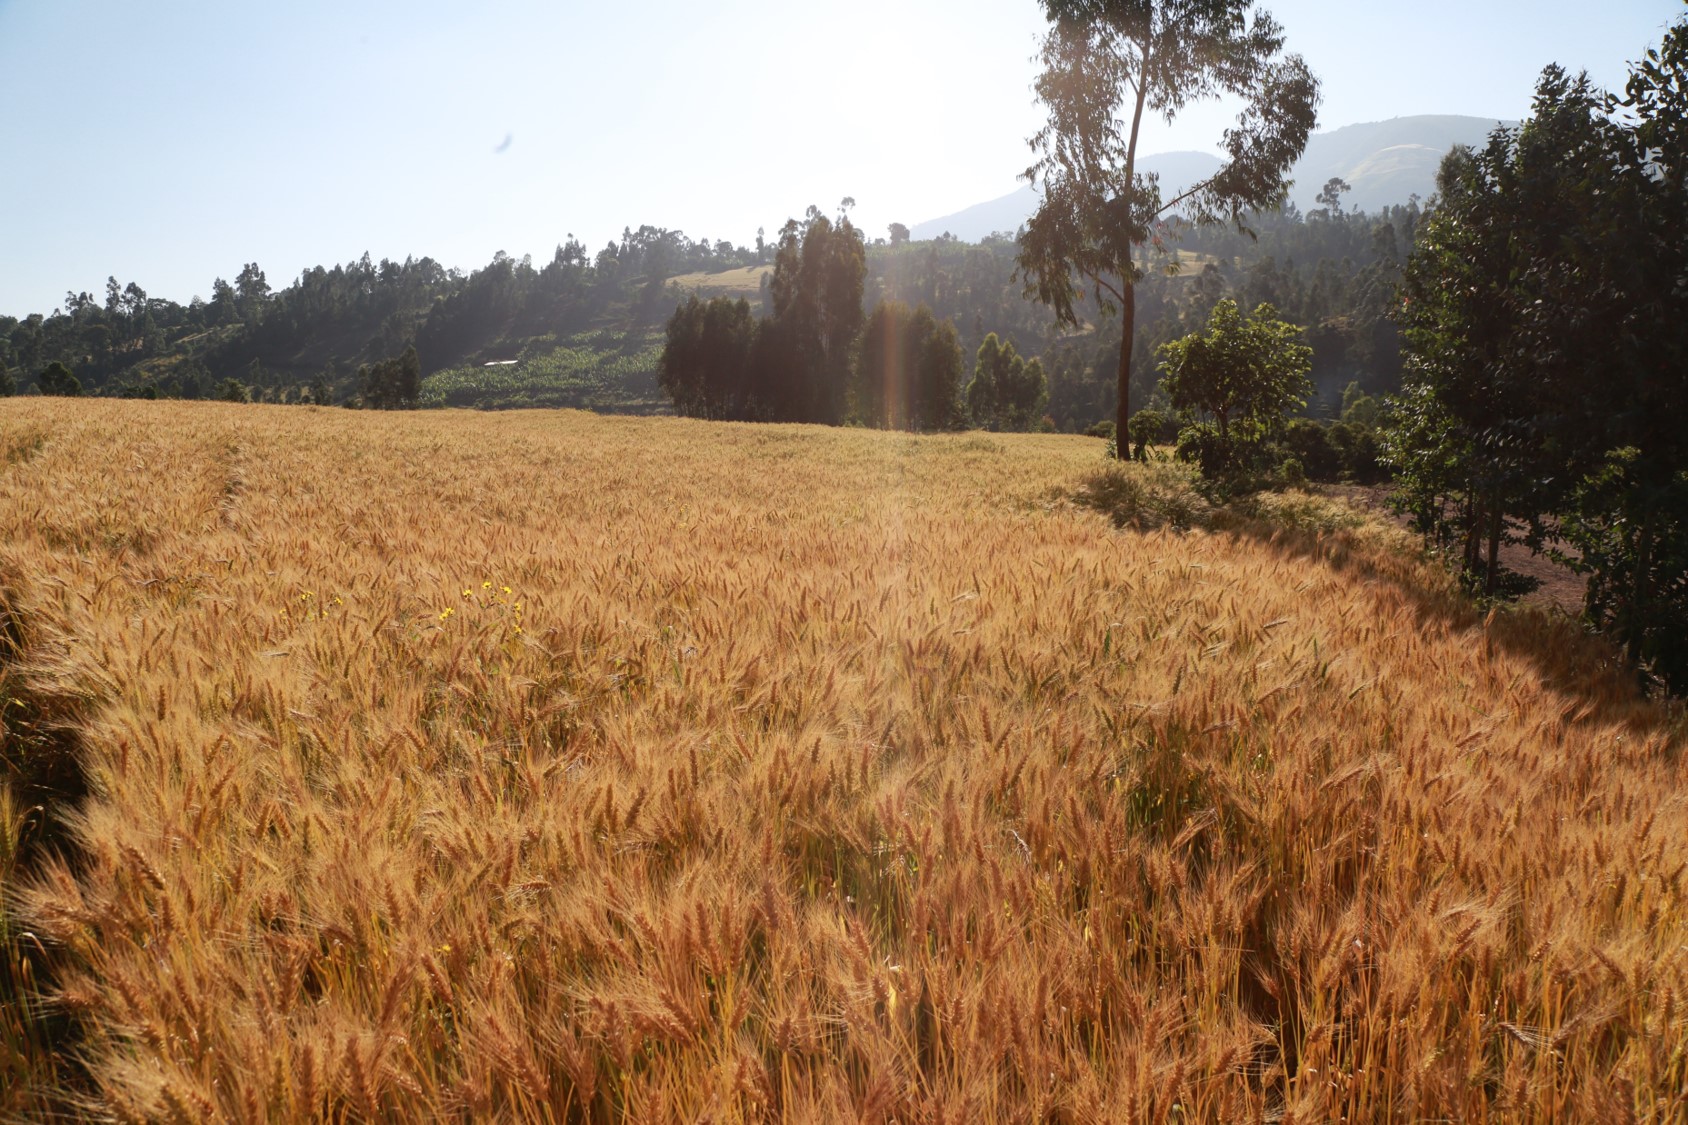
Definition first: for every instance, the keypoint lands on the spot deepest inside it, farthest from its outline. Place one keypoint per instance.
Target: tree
(232, 390)
(819, 271)
(394, 383)
(1007, 392)
(1505, 320)
(57, 379)
(1240, 378)
(252, 288)
(224, 307)
(1105, 64)
(1545, 323)
(899, 234)
(1146, 427)
(1330, 196)
(706, 361)
(8, 385)
(908, 370)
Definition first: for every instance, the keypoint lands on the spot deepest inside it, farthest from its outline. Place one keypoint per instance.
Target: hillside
(552, 766)
(1384, 162)
(1177, 171)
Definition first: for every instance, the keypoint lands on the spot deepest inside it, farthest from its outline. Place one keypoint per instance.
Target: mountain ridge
(1383, 162)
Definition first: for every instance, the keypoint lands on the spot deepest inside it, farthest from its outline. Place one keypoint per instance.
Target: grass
(544, 766)
(743, 282)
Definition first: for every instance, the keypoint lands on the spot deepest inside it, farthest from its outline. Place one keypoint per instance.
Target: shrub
(57, 379)
(1145, 497)
(1146, 426)
(1309, 443)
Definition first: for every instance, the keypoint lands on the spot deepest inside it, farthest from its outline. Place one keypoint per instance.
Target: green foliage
(706, 360)
(57, 379)
(8, 385)
(1007, 392)
(908, 370)
(1359, 408)
(1239, 379)
(819, 272)
(1553, 263)
(394, 383)
(232, 390)
(1308, 442)
(606, 370)
(1630, 529)
(796, 365)
(1147, 426)
(1107, 63)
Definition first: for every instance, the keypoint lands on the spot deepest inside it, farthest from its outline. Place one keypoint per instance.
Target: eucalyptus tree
(1106, 65)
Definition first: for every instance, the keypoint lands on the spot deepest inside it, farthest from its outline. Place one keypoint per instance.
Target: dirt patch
(1560, 588)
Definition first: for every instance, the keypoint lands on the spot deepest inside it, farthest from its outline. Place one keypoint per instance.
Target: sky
(170, 143)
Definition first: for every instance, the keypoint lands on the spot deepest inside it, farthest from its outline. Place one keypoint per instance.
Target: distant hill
(1384, 162)
(1177, 170)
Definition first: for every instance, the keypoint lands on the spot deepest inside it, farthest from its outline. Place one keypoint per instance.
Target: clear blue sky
(167, 143)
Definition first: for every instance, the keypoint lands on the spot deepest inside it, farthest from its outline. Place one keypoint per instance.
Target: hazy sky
(170, 142)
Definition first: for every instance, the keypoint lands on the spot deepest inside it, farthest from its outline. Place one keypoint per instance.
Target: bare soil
(1560, 587)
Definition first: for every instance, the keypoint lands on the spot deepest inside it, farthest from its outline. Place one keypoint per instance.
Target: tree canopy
(908, 374)
(1106, 63)
(1007, 391)
(1239, 378)
(57, 379)
(1555, 262)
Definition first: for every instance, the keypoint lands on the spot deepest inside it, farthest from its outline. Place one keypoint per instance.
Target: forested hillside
(584, 330)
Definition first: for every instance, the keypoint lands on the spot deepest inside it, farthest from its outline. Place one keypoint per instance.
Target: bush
(1148, 425)
(1102, 430)
(1309, 443)
(1145, 497)
(232, 390)
(58, 380)
(1356, 447)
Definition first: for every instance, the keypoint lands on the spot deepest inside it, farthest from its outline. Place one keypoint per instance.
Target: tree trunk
(1128, 332)
(1128, 284)
(1640, 591)
(1494, 551)
(1474, 516)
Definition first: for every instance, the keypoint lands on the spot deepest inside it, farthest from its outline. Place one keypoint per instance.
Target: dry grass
(743, 282)
(552, 767)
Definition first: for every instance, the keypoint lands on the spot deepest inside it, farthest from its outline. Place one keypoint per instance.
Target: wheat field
(551, 767)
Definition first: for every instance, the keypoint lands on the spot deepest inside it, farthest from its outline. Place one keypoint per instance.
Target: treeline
(310, 340)
(816, 358)
(1545, 311)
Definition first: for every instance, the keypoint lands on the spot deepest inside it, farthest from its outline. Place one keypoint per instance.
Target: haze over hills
(1383, 162)
(1176, 170)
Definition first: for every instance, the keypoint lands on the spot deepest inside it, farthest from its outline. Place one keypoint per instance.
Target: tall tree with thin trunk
(1107, 63)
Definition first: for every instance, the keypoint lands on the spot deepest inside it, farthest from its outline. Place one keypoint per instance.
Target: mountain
(1177, 171)
(1383, 162)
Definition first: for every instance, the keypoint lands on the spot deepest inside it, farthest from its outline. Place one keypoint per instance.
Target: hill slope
(1384, 162)
(548, 766)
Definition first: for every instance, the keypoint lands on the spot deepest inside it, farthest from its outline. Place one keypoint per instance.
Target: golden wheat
(555, 767)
